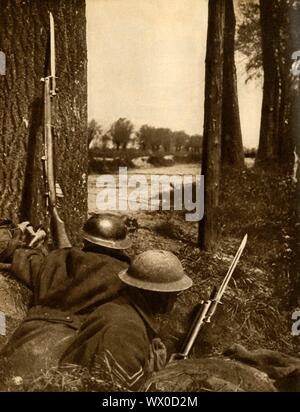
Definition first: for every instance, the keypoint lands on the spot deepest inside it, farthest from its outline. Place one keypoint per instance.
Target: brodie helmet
(156, 270)
(108, 230)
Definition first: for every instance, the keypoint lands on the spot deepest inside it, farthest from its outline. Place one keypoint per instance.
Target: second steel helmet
(107, 229)
(156, 270)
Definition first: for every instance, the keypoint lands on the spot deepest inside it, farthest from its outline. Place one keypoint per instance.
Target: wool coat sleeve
(26, 264)
(116, 333)
(69, 279)
(128, 365)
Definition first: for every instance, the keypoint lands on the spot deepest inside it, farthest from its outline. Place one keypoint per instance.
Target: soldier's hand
(39, 237)
(158, 355)
(23, 225)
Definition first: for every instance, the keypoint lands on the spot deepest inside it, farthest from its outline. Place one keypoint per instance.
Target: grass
(264, 290)
(66, 378)
(265, 286)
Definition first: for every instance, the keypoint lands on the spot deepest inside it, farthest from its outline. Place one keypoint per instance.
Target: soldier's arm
(26, 264)
(127, 352)
(25, 261)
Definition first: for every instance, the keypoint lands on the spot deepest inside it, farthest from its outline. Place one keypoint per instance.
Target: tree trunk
(276, 135)
(232, 152)
(212, 122)
(268, 140)
(286, 144)
(294, 129)
(24, 34)
(288, 39)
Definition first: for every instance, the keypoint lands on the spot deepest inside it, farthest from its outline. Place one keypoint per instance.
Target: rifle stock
(59, 230)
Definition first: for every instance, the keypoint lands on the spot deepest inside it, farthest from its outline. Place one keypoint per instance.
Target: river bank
(110, 161)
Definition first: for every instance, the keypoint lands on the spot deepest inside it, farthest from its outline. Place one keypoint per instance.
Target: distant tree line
(121, 135)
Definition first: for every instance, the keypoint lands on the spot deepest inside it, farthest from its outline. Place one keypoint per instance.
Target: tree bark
(294, 129)
(276, 142)
(212, 122)
(268, 139)
(232, 152)
(24, 34)
(288, 39)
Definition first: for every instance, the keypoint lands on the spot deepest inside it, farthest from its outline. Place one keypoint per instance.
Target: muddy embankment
(110, 164)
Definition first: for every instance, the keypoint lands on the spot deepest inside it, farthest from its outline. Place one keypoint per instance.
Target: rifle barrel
(49, 144)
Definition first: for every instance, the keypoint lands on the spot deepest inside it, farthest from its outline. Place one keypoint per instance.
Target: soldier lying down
(92, 304)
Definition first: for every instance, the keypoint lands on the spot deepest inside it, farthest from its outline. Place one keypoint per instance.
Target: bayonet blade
(227, 278)
(52, 56)
(232, 266)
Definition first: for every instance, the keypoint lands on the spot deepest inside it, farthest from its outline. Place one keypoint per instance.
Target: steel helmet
(156, 270)
(107, 229)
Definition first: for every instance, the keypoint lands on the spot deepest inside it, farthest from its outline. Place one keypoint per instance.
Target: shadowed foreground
(258, 304)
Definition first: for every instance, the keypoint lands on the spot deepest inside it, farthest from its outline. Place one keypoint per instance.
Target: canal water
(102, 187)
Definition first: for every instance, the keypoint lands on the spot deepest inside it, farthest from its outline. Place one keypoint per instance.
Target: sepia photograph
(149, 198)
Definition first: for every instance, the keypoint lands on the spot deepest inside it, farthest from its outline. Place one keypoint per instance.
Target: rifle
(52, 189)
(207, 308)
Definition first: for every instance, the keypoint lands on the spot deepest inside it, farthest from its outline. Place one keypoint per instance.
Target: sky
(146, 62)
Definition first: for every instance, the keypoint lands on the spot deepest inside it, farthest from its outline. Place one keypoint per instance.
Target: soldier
(123, 332)
(68, 285)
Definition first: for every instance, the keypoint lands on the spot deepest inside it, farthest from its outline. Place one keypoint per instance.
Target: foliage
(164, 137)
(194, 143)
(153, 138)
(105, 140)
(248, 39)
(147, 138)
(251, 153)
(94, 131)
(120, 132)
(180, 140)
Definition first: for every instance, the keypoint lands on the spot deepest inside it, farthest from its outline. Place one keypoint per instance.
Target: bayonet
(52, 57)
(208, 307)
(218, 297)
(60, 238)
